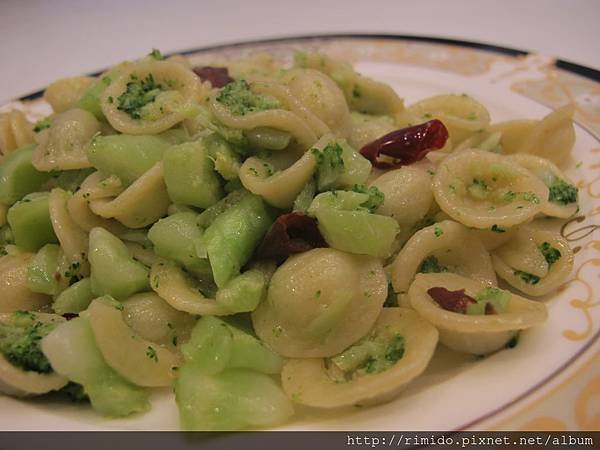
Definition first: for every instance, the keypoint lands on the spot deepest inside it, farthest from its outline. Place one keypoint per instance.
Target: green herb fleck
(41, 125)
(151, 353)
(496, 229)
(562, 192)
(528, 278)
(431, 265)
(356, 91)
(376, 197)
(240, 100)
(438, 231)
(551, 254)
(330, 165)
(156, 54)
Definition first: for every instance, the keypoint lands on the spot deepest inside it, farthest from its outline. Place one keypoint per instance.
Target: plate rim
(559, 63)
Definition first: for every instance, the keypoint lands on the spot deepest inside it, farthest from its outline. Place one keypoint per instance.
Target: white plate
(549, 379)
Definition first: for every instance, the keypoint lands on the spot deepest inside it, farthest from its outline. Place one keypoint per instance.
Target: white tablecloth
(45, 40)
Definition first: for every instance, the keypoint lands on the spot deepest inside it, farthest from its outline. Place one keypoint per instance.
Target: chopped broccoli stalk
(528, 278)
(498, 300)
(330, 165)
(138, 94)
(20, 338)
(376, 197)
(18, 177)
(551, 254)
(240, 100)
(305, 197)
(431, 265)
(29, 220)
(562, 192)
(41, 124)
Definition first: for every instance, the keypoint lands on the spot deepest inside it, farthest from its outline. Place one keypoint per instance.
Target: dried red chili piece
(455, 301)
(217, 76)
(291, 233)
(406, 145)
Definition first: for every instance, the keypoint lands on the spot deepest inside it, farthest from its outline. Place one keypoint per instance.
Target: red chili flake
(455, 301)
(406, 145)
(291, 233)
(70, 316)
(217, 76)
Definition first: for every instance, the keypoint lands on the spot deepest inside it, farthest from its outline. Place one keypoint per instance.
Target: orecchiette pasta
(320, 302)
(353, 378)
(535, 262)
(62, 146)
(15, 132)
(197, 224)
(482, 189)
(477, 334)
(447, 247)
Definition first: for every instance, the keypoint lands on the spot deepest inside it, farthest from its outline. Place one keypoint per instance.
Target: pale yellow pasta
(491, 240)
(452, 245)
(321, 96)
(153, 319)
(281, 188)
(182, 292)
(13, 286)
(73, 240)
(552, 137)
(520, 261)
(546, 171)
(62, 146)
(15, 132)
(482, 189)
(362, 94)
(140, 253)
(476, 334)
(180, 89)
(320, 302)
(314, 382)
(95, 187)
(63, 94)
(131, 207)
(24, 383)
(407, 198)
(279, 119)
(365, 128)
(462, 115)
(133, 357)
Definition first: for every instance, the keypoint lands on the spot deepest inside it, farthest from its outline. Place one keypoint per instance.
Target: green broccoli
(41, 124)
(431, 265)
(330, 165)
(137, 95)
(240, 100)
(528, 278)
(156, 54)
(393, 352)
(551, 254)
(562, 192)
(376, 197)
(20, 338)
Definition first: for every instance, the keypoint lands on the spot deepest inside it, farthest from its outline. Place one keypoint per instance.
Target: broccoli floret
(376, 197)
(240, 100)
(393, 352)
(551, 254)
(20, 338)
(137, 95)
(330, 165)
(562, 192)
(75, 392)
(156, 54)
(41, 124)
(431, 265)
(528, 278)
